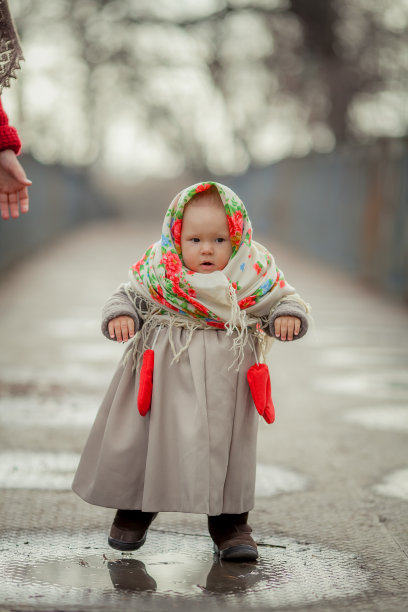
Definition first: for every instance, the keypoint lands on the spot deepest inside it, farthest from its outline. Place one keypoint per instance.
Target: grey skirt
(195, 451)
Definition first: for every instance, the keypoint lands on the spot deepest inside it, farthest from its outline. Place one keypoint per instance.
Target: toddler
(203, 302)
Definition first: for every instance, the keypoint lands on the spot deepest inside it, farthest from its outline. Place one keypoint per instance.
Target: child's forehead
(212, 213)
(209, 198)
(210, 208)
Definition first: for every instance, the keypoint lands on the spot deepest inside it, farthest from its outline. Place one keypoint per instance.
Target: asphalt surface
(331, 515)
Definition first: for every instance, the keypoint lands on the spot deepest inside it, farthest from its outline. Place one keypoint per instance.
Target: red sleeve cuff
(9, 139)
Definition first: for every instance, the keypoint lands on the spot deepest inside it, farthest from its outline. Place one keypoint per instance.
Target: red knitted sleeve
(9, 138)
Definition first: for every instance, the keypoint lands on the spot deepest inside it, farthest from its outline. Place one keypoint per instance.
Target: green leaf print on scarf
(164, 278)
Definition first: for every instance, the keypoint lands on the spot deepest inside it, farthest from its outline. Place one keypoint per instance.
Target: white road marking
(272, 480)
(394, 485)
(55, 471)
(387, 418)
(36, 411)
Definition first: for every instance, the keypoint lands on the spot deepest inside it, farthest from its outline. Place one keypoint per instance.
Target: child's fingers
(124, 327)
(121, 328)
(131, 328)
(297, 326)
(284, 328)
(291, 328)
(118, 331)
(287, 327)
(111, 329)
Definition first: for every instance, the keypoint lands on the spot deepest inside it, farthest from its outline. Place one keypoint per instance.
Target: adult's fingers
(24, 202)
(4, 207)
(13, 204)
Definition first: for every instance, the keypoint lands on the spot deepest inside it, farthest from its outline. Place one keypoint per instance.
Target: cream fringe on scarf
(240, 327)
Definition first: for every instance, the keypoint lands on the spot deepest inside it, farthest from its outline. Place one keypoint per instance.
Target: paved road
(332, 490)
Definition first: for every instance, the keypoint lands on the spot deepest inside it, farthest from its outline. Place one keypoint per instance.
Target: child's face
(205, 238)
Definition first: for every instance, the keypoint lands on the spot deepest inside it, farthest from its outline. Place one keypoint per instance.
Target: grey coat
(195, 451)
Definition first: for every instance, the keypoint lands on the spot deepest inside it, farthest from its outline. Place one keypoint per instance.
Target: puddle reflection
(224, 577)
(227, 577)
(131, 575)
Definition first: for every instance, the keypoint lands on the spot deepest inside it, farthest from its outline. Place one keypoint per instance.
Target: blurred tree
(220, 84)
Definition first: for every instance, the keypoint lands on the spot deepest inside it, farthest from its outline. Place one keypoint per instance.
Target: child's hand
(287, 327)
(122, 328)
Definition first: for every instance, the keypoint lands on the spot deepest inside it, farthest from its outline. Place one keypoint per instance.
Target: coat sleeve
(119, 305)
(9, 138)
(293, 306)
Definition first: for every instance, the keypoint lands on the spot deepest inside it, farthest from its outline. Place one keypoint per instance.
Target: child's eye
(195, 240)
(220, 240)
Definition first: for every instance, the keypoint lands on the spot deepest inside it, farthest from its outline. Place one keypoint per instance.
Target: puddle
(386, 418)
(55, 471)
(79, 568)
(394, 485)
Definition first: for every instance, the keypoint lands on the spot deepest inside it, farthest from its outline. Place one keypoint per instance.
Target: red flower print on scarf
(172, 264)
(179, 291)
(216, 324)
(157, 295)
(235, 225)
(202, 187)
(257, 268)
(247, 302)
(176, 232)
(248, 237)
(136, 266)
(282, 283)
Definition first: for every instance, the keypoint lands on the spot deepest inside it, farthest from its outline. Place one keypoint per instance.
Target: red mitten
(144, 397)
(269, 414)
(260, 385)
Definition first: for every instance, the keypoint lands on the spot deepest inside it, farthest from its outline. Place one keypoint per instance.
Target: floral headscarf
(250, 283)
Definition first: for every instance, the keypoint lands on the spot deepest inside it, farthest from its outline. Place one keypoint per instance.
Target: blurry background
(298, 105)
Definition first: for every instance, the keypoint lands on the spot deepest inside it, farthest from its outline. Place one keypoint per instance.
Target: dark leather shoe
(232, 539)
(129, 529)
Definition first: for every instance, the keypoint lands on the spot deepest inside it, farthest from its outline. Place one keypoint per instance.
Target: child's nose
(206, 246)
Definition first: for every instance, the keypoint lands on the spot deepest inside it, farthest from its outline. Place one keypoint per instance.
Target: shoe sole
(119, 545)
(237, 553)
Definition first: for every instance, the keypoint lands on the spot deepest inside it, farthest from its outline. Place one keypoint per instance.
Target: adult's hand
(13, 186)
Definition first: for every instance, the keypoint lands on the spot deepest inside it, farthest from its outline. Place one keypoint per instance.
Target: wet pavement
(331, 515)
